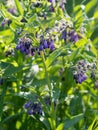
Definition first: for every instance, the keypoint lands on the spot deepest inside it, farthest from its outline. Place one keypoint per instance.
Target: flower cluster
(47, 43)
(25, 46)
(80, 77)
(33, 108)
(70, 34)
(61, 4)
(64, 30)
(82, 67)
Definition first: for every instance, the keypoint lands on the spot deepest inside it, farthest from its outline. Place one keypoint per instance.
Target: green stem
(2, 100)
(52, 110)
(46, 72)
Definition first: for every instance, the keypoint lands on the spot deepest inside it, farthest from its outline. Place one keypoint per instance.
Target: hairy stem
(52, 109)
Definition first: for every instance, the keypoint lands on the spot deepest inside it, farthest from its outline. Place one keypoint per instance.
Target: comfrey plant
(25, 46)
(33, 108)
(48, 66)
(81, 69)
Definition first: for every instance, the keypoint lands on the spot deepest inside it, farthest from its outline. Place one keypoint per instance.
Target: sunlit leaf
(19, 7)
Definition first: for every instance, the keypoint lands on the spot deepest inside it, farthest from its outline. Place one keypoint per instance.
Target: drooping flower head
(80, 77)
(33, 108)
(24, 45)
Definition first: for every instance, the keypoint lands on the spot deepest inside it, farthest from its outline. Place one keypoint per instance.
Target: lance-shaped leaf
(70, 122)
(54, 55)
(73, 121)
(19, 7)
(8, 15)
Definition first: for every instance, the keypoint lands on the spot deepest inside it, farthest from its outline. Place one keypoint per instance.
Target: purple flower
(45, 45)
(64, 35)
(3, 24)
(51, 46)
(24, 45)
(27, 51)
(12, 10)
(22, 49)
(18, 46)
(41, 48)
(74, 37)
(51, 8)
(30, 111)
(50, 1)
(40, 111)
(33, 108)
(27, 105)
(80, 77)
(62, 5)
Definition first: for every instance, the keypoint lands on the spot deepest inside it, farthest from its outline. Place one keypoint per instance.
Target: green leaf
(75, 54)
(54, 55)
(41, 82)
(3, 65)
(6, 36)
(26, 95)
(94, 125)
(5, 13)
(73, 121)
(56, 93)
(19, 7)
(10, 68)
(70, 122)
(8, 15)
(91, 5)
(12, 117)
(46, 123)
(60, 127)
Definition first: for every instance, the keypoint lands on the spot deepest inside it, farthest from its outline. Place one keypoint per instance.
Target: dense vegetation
(49, 65)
